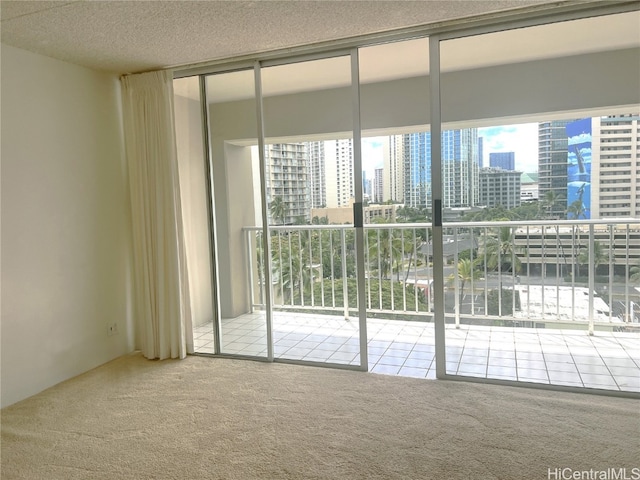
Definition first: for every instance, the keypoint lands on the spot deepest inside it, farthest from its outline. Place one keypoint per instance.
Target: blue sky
(521, 139)
(372, 155)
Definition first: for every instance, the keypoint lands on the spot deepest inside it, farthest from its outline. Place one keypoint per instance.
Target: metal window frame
(459, 28)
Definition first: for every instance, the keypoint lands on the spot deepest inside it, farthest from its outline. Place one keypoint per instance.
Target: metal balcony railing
(555, 274)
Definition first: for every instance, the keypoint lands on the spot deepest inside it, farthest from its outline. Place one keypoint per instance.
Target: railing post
(456, 274)
(300, 262)
(345, 293)
(610, 270)
(628, 312)
(311, 268)
(250, 267)
(592, 273)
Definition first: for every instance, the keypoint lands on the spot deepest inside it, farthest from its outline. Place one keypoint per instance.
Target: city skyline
(400, 164)
(522, 139)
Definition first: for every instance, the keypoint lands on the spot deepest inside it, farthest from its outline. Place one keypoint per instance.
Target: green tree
(576, 210)
(328, 247)
(388, 249)
(502, 303)
(526, 211)
(466, 254)
(549, 201)
(384, 251)
(498, 250)
(497, 213)
(288, 262)
(600, 255)
(409, 293)
(302, 258)
(412, 215)
(465, 272)
(278, 210)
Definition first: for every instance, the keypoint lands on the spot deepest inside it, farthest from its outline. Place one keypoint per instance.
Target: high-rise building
(459, 168)
(338, 155)
(287, 178)
(579, 161)
(615, 166)
(378, 186)
(317, 180)
(367, 192)
(499, 187)
(481, 152)
(393, 171)
(552, 163)
(366, 185)
(591, 163)
(503, 160)
(417, 169)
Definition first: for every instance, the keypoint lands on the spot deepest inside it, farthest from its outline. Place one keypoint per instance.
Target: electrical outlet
(112, 329)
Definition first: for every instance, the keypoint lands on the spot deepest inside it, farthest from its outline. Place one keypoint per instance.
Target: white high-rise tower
(393, 172)
(615, 166)
(338, 155)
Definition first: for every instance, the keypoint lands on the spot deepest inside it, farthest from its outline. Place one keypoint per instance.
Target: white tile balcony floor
(605, 360)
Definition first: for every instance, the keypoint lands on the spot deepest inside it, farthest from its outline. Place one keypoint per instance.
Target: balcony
(553, 302)
(608, 360)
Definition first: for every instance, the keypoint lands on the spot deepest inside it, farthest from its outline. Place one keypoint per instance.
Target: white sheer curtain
(160, 271)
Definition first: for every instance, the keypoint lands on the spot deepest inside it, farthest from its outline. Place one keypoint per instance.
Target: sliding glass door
(241, 323)
(426, 231)
(394, 89)
(309, 161)
(535, 288)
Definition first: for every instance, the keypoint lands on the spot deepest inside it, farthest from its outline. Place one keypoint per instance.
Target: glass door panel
(397, 214)
(231, 109)
(536, 286)
(310, 192)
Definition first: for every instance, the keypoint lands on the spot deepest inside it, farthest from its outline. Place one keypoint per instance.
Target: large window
(435, 218)
(529, 296)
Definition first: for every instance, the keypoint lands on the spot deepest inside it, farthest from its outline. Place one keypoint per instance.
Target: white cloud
(521, 139)
(372, 155)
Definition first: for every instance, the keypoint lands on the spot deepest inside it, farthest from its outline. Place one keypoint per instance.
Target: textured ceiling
(133, 36)
(410, 58)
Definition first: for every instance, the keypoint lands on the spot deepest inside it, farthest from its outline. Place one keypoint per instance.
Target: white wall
(65, 223)
(521, 92)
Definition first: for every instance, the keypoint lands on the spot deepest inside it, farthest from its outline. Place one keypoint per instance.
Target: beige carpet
(231, 419)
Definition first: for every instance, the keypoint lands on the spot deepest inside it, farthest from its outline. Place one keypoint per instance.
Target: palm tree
(600, 255)
(291, 266)
(411, 241)
(278, 209)
(500, 250)
(385, 249)
(550, 199)
(465, 272)
(576, 210)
